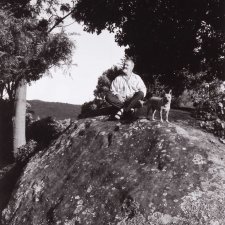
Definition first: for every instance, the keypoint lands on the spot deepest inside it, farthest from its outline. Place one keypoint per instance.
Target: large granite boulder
(103, 172)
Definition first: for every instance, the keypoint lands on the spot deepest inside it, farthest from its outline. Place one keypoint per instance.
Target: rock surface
(141, 173)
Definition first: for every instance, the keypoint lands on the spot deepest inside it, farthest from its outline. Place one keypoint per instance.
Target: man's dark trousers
(128, 104)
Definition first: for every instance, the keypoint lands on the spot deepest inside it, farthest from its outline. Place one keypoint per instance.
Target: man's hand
(120, 98)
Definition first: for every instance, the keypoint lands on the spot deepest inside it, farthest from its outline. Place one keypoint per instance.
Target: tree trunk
(19, 117)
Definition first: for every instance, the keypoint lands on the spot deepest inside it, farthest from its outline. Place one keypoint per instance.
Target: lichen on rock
(140, 173)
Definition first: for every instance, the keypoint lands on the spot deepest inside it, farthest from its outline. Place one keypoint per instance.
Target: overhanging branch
(60, 20)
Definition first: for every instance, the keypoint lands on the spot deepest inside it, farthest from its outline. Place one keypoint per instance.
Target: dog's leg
(153, 114)
(167, 116)
(161, 111)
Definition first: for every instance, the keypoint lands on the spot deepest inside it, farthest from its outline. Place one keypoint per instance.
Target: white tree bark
(19, 118)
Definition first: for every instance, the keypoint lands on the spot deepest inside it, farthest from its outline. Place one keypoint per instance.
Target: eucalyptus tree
(27, 52)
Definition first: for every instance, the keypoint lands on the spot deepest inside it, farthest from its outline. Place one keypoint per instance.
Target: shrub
(26, 151)
(92, 107)
(45, 130)
(209, 102)
(105, 80)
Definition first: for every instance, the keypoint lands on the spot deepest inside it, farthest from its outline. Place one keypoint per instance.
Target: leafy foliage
(102, 87)
(210, 107)
(105, 80)
(26, 151)
(28, 49)
(19, 8)
(45, 130)
(162, 36)
(27, 52)
(92, 107)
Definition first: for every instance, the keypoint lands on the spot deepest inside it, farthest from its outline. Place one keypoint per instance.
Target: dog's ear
(170, 91)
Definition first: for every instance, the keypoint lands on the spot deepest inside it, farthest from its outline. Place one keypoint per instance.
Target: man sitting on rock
(126, 90)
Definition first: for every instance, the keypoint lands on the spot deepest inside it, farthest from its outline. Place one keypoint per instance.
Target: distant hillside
(54, 109)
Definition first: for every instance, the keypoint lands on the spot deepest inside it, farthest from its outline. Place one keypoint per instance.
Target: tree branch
(60, 20)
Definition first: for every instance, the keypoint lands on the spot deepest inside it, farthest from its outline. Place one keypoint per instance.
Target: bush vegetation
(209, 102)
(40, 134)
(45, 130)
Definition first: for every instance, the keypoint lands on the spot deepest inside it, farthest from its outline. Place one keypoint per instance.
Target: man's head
(128, 66)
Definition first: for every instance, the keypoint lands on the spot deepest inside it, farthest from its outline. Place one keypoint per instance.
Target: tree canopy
(27, 51)
(162, 36)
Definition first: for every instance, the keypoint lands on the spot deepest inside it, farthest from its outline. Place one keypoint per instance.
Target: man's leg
(113, 100)
(116, 103)
(133, 102)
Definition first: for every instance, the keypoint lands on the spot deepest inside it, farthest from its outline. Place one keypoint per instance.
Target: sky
(93, 55)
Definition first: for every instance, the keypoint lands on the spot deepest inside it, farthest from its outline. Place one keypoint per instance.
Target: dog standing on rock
(159, 104)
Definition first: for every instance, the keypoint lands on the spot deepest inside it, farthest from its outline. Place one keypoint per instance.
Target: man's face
(128, 67)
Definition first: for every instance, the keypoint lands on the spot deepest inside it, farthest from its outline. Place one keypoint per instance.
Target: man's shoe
(119, 114)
